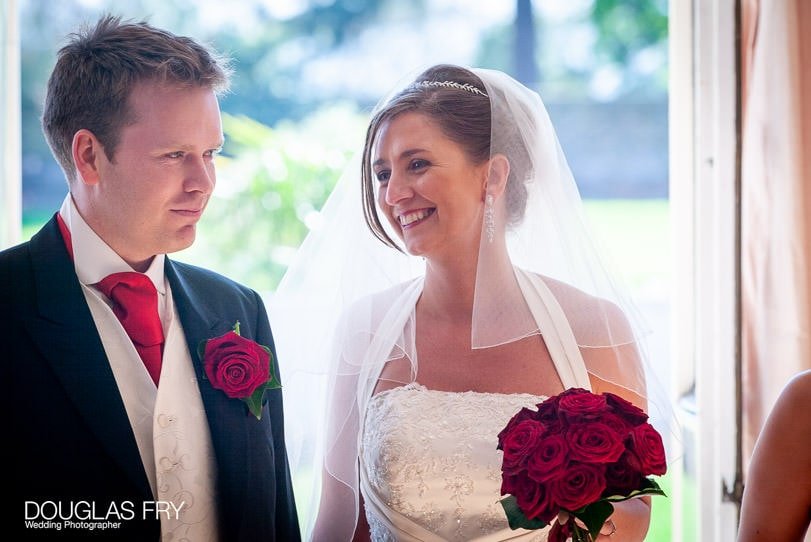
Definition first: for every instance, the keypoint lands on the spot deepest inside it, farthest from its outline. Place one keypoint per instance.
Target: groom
(117, 427)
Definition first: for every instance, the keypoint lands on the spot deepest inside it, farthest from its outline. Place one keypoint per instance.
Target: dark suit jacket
(69, 435)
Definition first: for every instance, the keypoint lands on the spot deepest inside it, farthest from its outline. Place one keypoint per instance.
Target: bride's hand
(607, 529)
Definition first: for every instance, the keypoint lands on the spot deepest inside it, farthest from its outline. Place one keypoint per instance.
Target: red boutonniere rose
(572, 458)
(240, 367)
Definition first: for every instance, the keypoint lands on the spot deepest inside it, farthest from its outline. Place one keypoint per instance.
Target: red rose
(573, 391)
(523, 414)
(519, 443)
(533, 499)
(236, 365)
(578, 404)
(616, 423)
(580, 484)
(511, 482)
(548, 410)
(549, 457)
(594, 442)
(647, 451)
(628, 411)
(621, 478)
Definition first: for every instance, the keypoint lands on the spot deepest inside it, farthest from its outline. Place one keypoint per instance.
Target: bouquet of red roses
(576, 454)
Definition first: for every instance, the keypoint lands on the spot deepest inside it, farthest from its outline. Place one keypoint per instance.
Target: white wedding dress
(429, 468)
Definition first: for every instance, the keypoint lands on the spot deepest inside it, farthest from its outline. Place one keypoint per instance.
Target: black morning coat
(68, 434)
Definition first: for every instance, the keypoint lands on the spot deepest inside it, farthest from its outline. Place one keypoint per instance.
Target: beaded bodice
(430, 457)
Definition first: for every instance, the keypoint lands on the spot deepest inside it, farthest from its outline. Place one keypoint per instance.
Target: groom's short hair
(97, 70)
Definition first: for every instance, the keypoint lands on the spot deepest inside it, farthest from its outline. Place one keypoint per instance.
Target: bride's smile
(409, 219)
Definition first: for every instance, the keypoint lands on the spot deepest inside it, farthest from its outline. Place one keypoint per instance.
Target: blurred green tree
(286, 141)
(271, 185)
(624, 27)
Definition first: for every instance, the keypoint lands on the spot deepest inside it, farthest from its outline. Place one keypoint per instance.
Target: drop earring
(489, 218)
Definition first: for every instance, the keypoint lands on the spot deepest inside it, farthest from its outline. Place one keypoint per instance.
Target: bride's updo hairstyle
(456, 100)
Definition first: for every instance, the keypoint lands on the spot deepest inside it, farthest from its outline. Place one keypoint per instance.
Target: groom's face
(154, 190)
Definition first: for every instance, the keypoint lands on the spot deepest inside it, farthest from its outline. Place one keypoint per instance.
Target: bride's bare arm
(777, 496)
(628, 523)
(631, 519)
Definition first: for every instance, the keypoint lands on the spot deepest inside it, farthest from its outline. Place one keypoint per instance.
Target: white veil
(345, 308)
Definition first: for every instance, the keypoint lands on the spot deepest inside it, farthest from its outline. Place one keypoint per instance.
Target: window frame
(705, 206)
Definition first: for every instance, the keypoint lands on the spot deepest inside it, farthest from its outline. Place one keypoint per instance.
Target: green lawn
(635, 235)
(661, 526)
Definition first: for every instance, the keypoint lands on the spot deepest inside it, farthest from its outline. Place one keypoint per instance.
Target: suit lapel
(199, 324)
(227, 418)
(66, 335)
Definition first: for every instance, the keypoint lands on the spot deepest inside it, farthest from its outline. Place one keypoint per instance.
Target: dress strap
(555, 329)
(382, 342)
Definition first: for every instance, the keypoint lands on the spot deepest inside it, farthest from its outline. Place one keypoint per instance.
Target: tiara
(450, 84)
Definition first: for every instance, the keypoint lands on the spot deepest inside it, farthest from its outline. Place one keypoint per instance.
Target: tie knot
(126, 284)
(135, 303)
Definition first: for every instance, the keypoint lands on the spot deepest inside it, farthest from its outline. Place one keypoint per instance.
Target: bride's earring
(489, 218)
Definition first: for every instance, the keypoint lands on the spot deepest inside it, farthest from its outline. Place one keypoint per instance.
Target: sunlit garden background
(308, 72)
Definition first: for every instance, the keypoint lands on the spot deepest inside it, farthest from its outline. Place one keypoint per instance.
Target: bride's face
(428, 188)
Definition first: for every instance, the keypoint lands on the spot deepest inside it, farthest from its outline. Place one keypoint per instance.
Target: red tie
(135, 302)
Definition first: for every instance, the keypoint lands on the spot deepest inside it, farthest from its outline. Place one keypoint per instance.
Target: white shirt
(93, 259)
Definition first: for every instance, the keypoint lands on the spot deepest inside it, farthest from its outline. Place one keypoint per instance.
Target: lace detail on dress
(431, 456)
(378, 530)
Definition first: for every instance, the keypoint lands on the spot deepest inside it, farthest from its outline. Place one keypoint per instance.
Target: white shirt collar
(93, 259)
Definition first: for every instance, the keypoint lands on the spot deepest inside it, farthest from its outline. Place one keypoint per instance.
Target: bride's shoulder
(579, 303)
(564, 289)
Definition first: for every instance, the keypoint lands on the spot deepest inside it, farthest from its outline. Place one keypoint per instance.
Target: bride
(483, 296)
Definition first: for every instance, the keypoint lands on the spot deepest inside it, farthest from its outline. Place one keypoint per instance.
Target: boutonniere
(240, 367)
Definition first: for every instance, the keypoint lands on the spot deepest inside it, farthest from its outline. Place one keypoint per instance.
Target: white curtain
(775, 203)
(10, 178)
